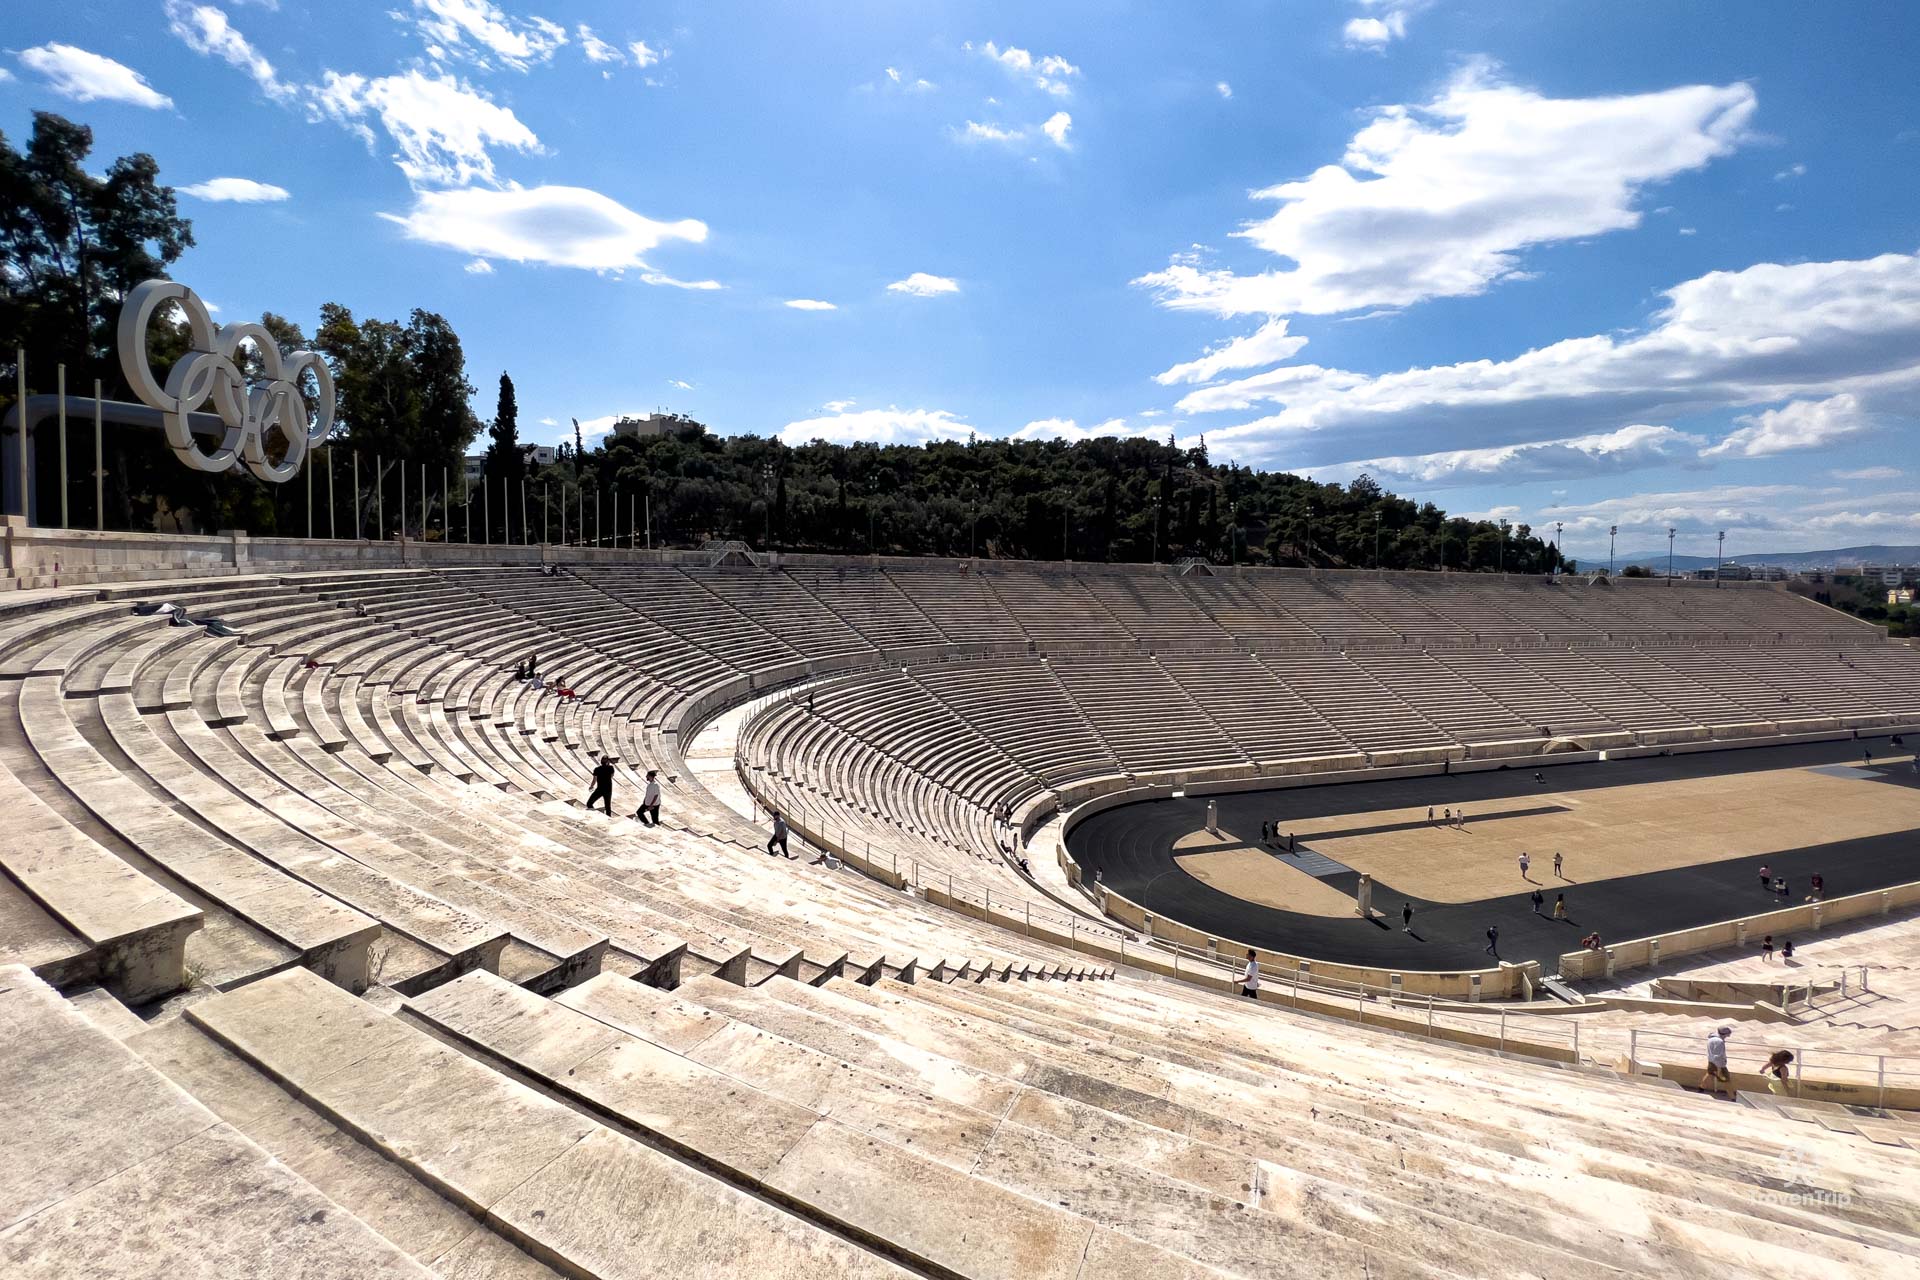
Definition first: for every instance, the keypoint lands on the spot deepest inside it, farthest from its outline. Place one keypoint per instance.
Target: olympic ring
(210, 371)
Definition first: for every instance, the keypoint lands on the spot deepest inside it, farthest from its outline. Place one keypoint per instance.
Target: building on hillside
(1754, 572)
(1891, 575)
(1728, 572)
(537, 455)
(650, 425)
(1899, 595)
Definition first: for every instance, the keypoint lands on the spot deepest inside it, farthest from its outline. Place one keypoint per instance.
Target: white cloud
(1602, 453)
(444, 129)
(977, 132)
(839, 406)
(877, 426)
(1799, 424)
(1224, 89)
(206, 30)
(810, 304)
(1870, 473)
(1055, 128)
(1729, 339)
(1689, 231)
(922, 285)
(1269, 344)
(1374, 33)
(1438, 200)
(478, 267)
(236, 191)
(558, 226)
(1049, 73)
(1791, 171)
(595, 49)
(477, 29)
(1072, 432)
(680, 383)
(89, 77)
(6, 76)
(644, 55)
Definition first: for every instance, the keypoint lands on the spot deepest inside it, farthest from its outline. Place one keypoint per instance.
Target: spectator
(1776, 1070)
(1265, 831)
(1429, 815)
(779, 836)
(1819, 883)
(533, 666)
(602, 786)
(1556, 866)
(1446, 817)
(1766, 949)
(1406, 917)
(1591, 942)
(1716, 1073)
(1250, 977)
(1525, 862)
(1493, 941)
(1766, 876)
(1538, 900)
(1786, 948)
(1559, 906)
(649, 811)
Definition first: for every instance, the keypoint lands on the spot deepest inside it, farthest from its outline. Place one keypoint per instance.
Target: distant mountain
(1796, 561)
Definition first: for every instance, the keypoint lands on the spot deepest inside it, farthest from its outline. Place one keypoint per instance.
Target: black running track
(1132, 847)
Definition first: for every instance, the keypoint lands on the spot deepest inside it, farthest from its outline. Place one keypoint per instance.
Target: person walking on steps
(602, 786)
(779, 836)
(1250, 977)
(649, 811)
(1716, 1073)
(1776, 1070)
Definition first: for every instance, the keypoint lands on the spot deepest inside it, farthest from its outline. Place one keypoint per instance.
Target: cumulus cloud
(443, 128)
(1048, 73)
(1439, 200)
(877, 426)
(1799, 424)
(90, 77)
(1269, 344)
(1761, 336)
(1072, 432)
(1056, 127)
(1374, 33)
(557, 226)
(483, 33)
(593, 47)
(236, 191)
(922, 285)
(206, 30)
(644, 54)
(1601, 453)
(1224, 89)
(810, 304)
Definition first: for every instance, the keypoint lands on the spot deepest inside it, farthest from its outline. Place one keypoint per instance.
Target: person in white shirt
(1250, 977)
(1716, 1072)
(649, 810)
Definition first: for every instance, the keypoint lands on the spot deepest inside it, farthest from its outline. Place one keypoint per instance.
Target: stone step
(112, 1170)
(834, 1171)
(568, 1189)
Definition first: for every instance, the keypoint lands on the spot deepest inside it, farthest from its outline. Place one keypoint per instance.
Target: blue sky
(1627, 264)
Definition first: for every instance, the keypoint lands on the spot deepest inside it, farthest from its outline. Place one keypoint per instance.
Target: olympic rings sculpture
(210, 371)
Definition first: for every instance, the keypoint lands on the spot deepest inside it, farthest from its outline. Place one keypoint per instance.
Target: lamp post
(766, 480)
(1233, 533)
(1156, 531)
(1670, 532)
(1558, 526)
(1501, 564)
(1613, 531)
(1376, 541)
(1718, 555)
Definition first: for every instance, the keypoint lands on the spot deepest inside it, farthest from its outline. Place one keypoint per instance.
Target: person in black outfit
(602, 786)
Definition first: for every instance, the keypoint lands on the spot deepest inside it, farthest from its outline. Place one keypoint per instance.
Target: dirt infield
(1605, 832)
(1650, 845)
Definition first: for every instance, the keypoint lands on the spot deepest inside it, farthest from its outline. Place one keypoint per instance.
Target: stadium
(1099, 736)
